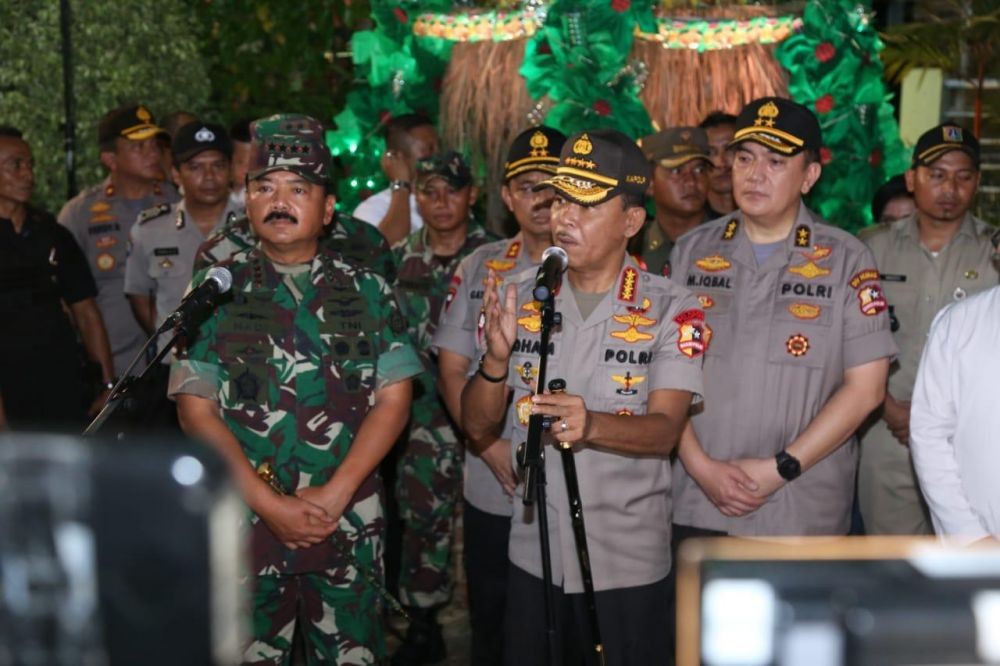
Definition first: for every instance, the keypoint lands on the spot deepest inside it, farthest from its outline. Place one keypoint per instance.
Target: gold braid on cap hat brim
(582, 191)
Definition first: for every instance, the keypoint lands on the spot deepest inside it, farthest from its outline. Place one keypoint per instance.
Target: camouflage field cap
(289, 142)
(450, 165)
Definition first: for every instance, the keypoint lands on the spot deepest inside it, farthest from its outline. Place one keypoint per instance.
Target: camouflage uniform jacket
(294, 381)
(424, 280)
(355, 240)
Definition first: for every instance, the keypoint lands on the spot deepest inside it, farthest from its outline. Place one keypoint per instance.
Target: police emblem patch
(693, 335)
(105, 261)
(871, 300)
(713, 264)
(527, 372)
(804, 310)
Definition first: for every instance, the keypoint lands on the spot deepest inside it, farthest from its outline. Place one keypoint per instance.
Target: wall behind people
(117, 57)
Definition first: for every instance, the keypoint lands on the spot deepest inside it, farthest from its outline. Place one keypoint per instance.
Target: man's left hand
(764, 471)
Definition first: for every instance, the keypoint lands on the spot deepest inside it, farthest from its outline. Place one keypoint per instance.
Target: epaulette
(152, 213)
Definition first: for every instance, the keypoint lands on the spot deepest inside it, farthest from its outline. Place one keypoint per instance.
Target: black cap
(597, 165)
(535, 149)
(778, 124)
(942, 139)
(197, 137)
(134, 123)
(448, 165)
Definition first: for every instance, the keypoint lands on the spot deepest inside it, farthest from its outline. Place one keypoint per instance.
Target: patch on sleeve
(693, 334)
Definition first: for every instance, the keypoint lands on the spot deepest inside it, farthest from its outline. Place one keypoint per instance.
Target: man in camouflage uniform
(101, 217)
(304, 367)
(489, 473)
(429, 467)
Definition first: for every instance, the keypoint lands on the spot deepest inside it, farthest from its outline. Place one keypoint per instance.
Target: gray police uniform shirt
(163, 245)
(918, 284)
(645, 335)
(782, 336)
(459, 331)
(101, 220)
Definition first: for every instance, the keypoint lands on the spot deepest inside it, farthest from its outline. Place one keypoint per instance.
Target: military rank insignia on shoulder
(153, 213)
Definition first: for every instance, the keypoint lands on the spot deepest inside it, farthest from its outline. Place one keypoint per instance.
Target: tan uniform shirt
(643, 336)
(458, 331)
(782, 336)
(917, 284)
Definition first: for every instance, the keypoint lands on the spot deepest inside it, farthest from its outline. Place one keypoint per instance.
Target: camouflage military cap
(449, 165)
(289, 142)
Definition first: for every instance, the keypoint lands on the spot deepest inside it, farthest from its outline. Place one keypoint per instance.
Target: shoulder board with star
(152, 213)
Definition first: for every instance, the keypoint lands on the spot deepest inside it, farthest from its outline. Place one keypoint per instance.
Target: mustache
(280, 215)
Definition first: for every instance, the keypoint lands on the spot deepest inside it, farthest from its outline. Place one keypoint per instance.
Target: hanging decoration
(833, 68)
(484, 75)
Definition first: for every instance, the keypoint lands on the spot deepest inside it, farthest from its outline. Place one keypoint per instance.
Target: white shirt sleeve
(933, 428)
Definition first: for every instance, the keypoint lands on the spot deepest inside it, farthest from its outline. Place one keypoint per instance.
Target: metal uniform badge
(797, 345)
(809, 270)
(634, 320)
(627, 381)
(532, 323)
(713, 264)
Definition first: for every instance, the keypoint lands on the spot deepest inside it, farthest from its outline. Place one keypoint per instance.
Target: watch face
(788, 467)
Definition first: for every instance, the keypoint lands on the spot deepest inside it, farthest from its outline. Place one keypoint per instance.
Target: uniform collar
(627, 292)
(654, 237)
(801, 239)
(473, 232)
(908, 227)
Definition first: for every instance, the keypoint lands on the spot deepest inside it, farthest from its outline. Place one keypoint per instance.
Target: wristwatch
(395, 185)
(789, 467)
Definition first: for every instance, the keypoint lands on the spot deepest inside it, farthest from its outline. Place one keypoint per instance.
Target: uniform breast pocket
(251, 371)
(802, 334)
(621, 381)
(349, 365)
(720, 320)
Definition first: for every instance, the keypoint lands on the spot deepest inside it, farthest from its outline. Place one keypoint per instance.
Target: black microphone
(218, 281)
(554, 263)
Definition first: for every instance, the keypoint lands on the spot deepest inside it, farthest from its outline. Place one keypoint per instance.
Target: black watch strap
(789, 467)
(491, 378)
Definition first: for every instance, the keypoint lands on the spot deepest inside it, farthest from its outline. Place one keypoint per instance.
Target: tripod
(531, 459)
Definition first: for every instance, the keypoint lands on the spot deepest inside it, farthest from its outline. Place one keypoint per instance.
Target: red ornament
(825, 52)
(384, 117)
(602, 107)
(544, 48)
(400, 15)
(875, 159)
(825, 156)
(824, 104)
(621, 6)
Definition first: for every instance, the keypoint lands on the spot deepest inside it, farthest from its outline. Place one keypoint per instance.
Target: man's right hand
(897, 417)
(296, 522)
(729, 488)
(396, 166)
(497, 458)
(500, 330)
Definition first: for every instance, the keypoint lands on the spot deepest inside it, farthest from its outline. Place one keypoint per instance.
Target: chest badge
(532, 323)
(105, 261)
(804, 310)
(500, 265)
(634, 320)
(523, 407)
(165, 263)
(627, 381)
(818, 252)
(713, 264)
(971, 274)
(809, 270)
(797, 345)
(527, 372)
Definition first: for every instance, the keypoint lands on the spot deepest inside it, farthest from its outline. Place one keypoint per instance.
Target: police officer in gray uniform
(165, 240)
(489, 476)
(936, 256)
(800, 345)
(629, 349)
(101, 217)
(167, 237)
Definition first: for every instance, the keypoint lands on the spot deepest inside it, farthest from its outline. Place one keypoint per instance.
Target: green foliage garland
(834, 69)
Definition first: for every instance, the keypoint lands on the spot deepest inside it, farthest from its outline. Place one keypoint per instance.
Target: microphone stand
(531, 459)
(126, 386)
(580, 533)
